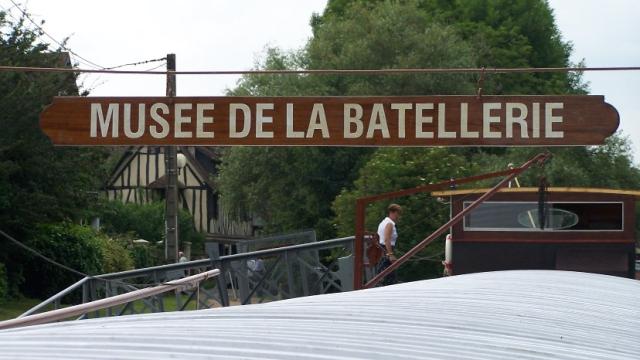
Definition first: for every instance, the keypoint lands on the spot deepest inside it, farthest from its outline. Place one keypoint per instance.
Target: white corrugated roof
(499, 315)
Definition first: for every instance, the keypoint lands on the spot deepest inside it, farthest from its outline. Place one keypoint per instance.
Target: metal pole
(538, 158)
(171, 173)
(362, 203)
(108, 302)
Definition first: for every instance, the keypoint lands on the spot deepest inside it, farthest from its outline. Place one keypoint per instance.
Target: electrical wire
(62, 46)
(324, 71)
(139, 63)
(156, 67)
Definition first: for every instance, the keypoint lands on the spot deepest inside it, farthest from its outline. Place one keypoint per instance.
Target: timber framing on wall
(139, 177)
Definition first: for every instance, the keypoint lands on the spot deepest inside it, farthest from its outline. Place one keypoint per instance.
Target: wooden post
(171, 174)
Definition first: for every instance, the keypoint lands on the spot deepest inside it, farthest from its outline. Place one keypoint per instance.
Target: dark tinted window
(524, 216)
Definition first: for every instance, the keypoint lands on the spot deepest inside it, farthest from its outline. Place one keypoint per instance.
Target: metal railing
(252, 277)
(75, 310)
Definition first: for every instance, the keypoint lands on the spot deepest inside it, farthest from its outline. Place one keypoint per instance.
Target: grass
(13, 308)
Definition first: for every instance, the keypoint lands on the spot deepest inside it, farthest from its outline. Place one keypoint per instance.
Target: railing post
(242, 274)
(304, 274)
(214, 256)
(358, 248)
(93, 286)
(85, 297)
(108, 293)
(290, 279)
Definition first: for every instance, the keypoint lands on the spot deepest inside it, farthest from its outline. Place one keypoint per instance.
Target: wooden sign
(339, 121)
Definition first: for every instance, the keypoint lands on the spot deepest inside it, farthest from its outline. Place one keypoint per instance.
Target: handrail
(248, 255)
(189, 265)
(55, 297)
(61, 314)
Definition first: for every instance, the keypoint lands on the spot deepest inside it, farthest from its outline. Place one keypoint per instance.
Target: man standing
(388, 236)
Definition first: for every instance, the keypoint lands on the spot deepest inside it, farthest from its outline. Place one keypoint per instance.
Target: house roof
(634, 193)
(199, 169)
(496, 315)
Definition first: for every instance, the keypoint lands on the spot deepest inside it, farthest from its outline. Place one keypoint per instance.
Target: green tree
(38, 183)
(605, 166)
(292, 188)
(503, 33)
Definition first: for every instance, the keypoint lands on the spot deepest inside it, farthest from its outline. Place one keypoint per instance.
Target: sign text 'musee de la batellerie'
(326, 121)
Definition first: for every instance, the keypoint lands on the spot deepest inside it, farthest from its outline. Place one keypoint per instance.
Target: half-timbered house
(139, 177)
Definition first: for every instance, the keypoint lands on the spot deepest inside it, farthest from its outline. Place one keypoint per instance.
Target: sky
(232, 35)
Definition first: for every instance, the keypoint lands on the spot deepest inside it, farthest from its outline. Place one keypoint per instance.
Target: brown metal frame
(361, 204)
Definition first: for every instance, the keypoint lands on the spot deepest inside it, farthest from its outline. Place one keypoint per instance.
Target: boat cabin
(577, 229)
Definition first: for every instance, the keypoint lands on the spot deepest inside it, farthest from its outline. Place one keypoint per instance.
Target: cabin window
(559, 216)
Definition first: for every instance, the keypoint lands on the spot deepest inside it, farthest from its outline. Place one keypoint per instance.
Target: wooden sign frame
(331, 121)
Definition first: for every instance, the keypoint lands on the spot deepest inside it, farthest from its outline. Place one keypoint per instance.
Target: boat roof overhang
(523, 190)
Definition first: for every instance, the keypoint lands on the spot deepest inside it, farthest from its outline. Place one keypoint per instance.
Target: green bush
(143, 256)
(4, 283)
(76, 246)
(115, 255)
(147, 221)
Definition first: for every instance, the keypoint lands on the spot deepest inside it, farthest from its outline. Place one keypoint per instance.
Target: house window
(559, 216)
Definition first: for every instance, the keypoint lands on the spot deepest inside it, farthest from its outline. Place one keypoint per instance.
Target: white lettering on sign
(378, 122)
(127, 121)
(262, 119)
(291, 133)
(353, 119)
(98, 118)
(318, 121)
(535, 127)
(442, 132)
(162, 122)
(181, 120)
(550, 119)
(421, 120)
(402, 109)
(201, 120)
(519, 119)
(464, 123)
(233, 123)
(488, 119)
(186, 120)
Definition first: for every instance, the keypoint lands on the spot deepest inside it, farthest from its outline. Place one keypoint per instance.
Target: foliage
(38, 183)
(144, 256)
(390, 35)
(147, 221)
(76, 246)
(115, 255)
(4, 284)
(72, 245)
(392, 169)
(605, 166)
(292, 188)
(503, 33)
